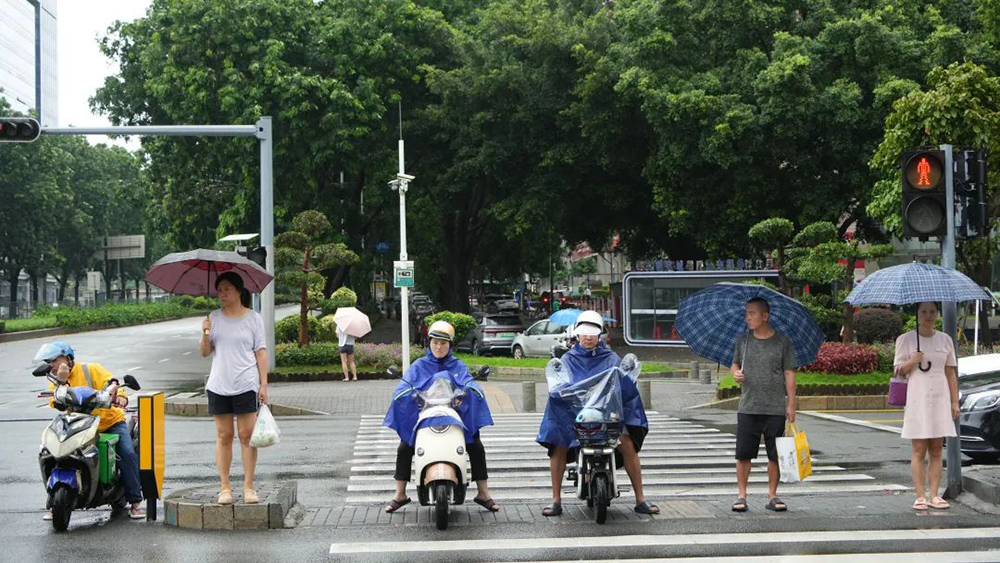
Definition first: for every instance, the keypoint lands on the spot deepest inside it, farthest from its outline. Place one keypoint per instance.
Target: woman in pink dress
(926, 358)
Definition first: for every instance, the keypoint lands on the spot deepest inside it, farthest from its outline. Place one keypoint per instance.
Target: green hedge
(118, 314)
(463, 323)
(367, 357)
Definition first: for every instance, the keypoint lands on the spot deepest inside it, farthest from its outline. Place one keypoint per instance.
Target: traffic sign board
(403, 270)
(382, 246)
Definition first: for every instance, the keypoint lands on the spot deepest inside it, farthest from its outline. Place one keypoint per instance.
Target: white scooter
(441, 463)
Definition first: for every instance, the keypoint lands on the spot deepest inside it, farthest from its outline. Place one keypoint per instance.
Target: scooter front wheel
(441, 501)
(599, 490)
(63, 501)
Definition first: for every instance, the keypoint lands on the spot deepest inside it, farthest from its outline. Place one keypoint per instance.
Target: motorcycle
(597, 404)
(441, 463)
(77, 463)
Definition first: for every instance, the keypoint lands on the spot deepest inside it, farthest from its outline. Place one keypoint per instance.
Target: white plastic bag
(265, 432)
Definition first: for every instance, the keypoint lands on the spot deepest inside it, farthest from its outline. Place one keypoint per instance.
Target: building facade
(17, 57)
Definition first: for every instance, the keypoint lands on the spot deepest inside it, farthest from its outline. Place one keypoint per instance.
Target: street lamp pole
(402, 183)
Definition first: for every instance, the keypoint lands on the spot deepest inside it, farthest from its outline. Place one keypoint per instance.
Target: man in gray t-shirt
(763, 365)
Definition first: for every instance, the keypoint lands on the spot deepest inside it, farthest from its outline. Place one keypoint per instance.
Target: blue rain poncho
(557, 423)
(404, 411)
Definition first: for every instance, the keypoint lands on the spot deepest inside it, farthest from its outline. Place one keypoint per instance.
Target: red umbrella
(194, 272)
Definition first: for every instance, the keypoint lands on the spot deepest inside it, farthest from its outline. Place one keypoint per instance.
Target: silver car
(538, 340)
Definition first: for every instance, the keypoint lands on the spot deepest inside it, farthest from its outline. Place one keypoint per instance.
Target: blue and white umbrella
(915, 283)
(712, 319)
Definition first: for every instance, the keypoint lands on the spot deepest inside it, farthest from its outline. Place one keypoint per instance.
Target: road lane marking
(661, 541)
(186, 354)
(844, 419)
(163, 360)
(883, 421)
(134, 369)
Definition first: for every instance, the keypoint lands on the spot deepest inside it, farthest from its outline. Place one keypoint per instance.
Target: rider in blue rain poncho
(587, 358)
(404, 412)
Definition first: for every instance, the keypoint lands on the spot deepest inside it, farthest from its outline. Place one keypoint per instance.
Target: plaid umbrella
(712, 319)
(915, 283)
(194, 272)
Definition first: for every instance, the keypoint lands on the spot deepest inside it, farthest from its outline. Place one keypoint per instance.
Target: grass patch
(813, 378)
(35, 323)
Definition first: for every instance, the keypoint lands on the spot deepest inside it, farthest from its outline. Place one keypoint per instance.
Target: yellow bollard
(152, 451)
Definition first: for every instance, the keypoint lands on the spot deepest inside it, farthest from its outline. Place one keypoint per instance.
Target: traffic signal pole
(262, 130)
(949, 315)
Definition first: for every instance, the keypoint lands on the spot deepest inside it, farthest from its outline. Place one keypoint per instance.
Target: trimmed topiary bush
(463, 323)
(343, 297)
(367, 357)
(287, 329)
(876, 324)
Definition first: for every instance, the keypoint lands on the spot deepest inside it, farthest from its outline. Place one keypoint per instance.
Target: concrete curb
(196, 508)
(819, 403)
(986, 487)
(198, 406)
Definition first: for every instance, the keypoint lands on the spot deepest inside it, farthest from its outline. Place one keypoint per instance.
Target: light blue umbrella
(915, 283)
(712, 319)
(565, 317)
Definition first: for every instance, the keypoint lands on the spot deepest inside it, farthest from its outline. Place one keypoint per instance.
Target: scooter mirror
(483, 374)
(393, 372)
(42, 370)
(131, 383)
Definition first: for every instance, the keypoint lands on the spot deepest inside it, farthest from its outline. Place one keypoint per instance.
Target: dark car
(979, 401)
(493, 333)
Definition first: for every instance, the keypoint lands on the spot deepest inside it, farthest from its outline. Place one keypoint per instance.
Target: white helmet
(589, 323)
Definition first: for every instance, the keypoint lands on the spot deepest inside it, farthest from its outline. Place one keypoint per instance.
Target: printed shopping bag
(794, 460)
(265, 432)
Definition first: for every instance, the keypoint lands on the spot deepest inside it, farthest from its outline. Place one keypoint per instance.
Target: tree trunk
(147, 291)
(304, 306)
(76, 290)
(848, 308)
(33, 292)
(15, 274)
(782, 278)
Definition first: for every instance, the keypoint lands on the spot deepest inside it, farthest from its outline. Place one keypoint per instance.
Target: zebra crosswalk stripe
(680, 458)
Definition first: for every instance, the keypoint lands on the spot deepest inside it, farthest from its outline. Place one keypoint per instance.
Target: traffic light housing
(259, 255)
(923, 182)
(19, 129)
(970, 194)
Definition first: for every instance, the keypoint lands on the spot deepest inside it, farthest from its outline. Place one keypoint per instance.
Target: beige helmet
(442, 330)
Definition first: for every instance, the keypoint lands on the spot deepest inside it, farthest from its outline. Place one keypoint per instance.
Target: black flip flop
(773, 505)
(488, 504)
(740, 501)
(646, 508)
(395, 505)
(554, 509)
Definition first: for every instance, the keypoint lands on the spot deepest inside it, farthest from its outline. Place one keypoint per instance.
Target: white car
(538, 340)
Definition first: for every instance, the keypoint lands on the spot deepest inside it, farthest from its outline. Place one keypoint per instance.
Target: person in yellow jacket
(61, 359)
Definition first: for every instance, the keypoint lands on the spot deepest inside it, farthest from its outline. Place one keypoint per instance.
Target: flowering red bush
(847, 359)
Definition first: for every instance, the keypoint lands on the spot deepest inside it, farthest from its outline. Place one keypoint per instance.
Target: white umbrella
(352, 321)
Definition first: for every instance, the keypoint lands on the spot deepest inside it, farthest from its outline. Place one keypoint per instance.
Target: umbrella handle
(921, 365)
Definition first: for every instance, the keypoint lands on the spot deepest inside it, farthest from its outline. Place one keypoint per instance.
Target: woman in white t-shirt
(345, 343)
(235, 335)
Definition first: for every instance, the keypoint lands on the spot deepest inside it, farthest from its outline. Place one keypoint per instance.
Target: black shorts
(232, 404)
(750, 428)
(347, 349)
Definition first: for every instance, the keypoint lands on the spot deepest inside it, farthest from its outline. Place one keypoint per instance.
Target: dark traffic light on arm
(923, 194)
(18, 129)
